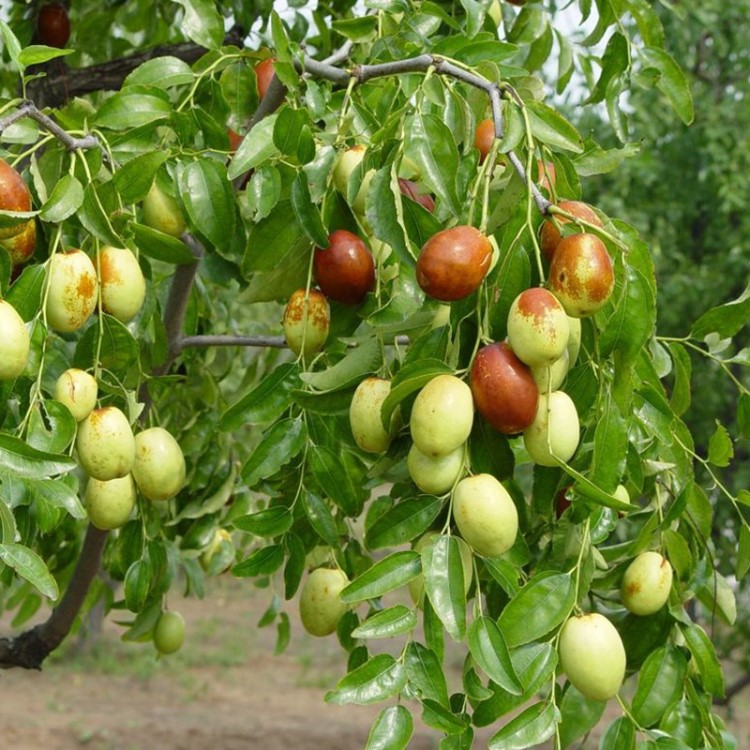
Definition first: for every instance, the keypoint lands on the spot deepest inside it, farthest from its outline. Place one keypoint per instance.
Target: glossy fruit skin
(646, 584)
(560, 423)
(410, 189)
(78, 391)
(53, 25)
(435, 475)
(484, 136)
(73, 290)
(503, 388)
(14, 196)
(109, 504)
(264, 73)
(169, 633)
(346, 162)
(14, 342)
(551, 377)
(549, 236)
(453, 263)
(163, 213)
(416, 585)
(320, 606)
(123, 287)
(105, 444)
(581, 274)
(442, 415)
(364, 416)
(307, 320)
(159, 466)
(485, 514)
(592, 655)
(538, 328)
(345, 270)
(21, 246)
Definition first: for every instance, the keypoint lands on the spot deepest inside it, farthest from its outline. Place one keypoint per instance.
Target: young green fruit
(159, 466)
(105, 444)
(169, 633)
(581, 274)
(78, 391)
(538, 328)
(221, 537)
(550, 236)
(73, 290)
(503, 388)
(442, 415)
(346, 162)
(364, 416)
(14, 196)
(14, 342)
(646, 584)
(320, 605)
(123, 287)
(162, 212)
(345, 270)
(416, 585)
(307, 320)
(435, 475)
(592, 655)
(555, 431)
(453, 263)
(109, 504)
(21, 246)
(485, 514)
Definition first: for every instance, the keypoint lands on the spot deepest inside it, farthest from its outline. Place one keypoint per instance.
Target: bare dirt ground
(224, 691)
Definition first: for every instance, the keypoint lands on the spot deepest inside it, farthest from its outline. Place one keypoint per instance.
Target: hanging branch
(30, 110)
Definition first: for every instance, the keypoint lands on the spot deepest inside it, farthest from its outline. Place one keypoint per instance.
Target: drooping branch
(30, 110)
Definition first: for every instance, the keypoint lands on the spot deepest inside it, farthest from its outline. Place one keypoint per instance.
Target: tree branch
(736, 687)
(30, 110)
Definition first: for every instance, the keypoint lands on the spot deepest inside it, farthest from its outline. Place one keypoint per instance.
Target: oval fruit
(264, 73)
(416, 585)
(123, 287)
(538, 328)
(453, 263)
(162, 212)
(364, 415)
(53, 25)
(73, 290)
(345, 270)
(346, 162)
(550, 236)
(547, 174)
(307, 320)
(320, 606)
(442, 415)
(435, 475)
(550, 377)
(169, 633)
(21, 246)
(78, 391)
(503, 388)
(159, 466)
(14, 196)
(646, 584)
(592, 655)
(105, 444)
(221, 537)
(555, 431)
(485, 514)
(581, 274)
(484, 136)
(109, 504)
(14, 342)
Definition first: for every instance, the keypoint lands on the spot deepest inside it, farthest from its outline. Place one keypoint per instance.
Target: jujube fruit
(550, 235)
(646, 584)
(503, 388)
(14, 196)
(485, 514)
(551, 377)
(345, 270)
(169, 633)
(78, 391)
(21, 246)
(555, 431)
(442, 415)
(484, 136)
(159, 465)
(109, 504)
(592, 656)
(163, 213)
(364, 415)
(14, 342)
(410, 189)
(453, 263)
(53, 25)
(73, 290)
(264, 73)
(346, 162)
(123, 288)
(320, 605)
(435, 475)
(581, 274)
(105, 444)
(307, 320)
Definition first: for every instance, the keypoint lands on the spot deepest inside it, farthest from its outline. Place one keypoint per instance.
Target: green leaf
(159, 246)
(58, 493)
(377, 679)
(36, 54)
(404, 522)
(137, 584)
(20, 460)
(550, 127)
(392, 729)
(256, 148)
(320, 517)
(132, 107)
(672, 81)
(135, 178)
(682, 367)
(263, 191)
(29, 566)
(743, 552)
(307, 214)
(490, 652)
(706, 660)
(337, 476)
(530, 728)
(360, 361)
(26, 292)
(390, 573)
(596, 160)
(162, 72)
(108, 344)
(720, 447)
(263, 561)
(443, 719)
(202, 23)
(278, 447)
(387, 623)
(444, 584)
(490, 451)
(267, 523)
(579, 716)
(541, 605)
(425, 674)
(659, 684)
(616, 60)
(65, 200)
(620, 735)
(385, 212)
(725, 320)
(94, 217)
(610, 444)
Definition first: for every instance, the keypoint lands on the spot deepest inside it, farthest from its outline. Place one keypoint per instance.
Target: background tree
(371, 471)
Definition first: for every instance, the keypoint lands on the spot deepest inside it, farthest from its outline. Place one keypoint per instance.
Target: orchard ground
(225, 690)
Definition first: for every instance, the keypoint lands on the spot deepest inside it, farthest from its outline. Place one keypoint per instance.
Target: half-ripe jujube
(453, 263)
(435, 474)
(73, 290)
(14, 342)
(484, 135)
(555, 431)
(14, 196)
(162, 212)
(109, 504)
(346, 162)
(345, 270)
(159, 465)
(264, 73)
(307, 320)
(364, 415)
(78, 391)
(105, 444)
(21, 246)
(646, 584)
(320, 605)
(123, 287)
(550, 235)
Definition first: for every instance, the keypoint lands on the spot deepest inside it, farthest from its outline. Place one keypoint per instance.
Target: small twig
(736, 687)
(274, 342)
(30, 110)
